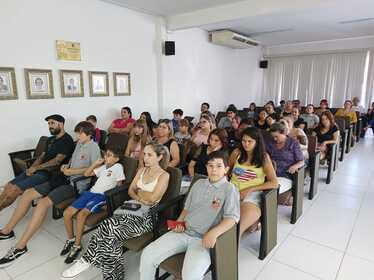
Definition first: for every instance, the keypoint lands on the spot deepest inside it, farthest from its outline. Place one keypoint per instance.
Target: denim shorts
(25, 182)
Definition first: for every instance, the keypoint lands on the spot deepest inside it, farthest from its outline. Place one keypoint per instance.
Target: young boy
(211, 208)
(183, 135)
(177, 116)
(109, 173)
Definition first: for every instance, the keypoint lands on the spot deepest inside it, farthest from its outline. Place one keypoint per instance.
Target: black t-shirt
(261, 126)
(63, 145)
(300, 121)
(329, 135)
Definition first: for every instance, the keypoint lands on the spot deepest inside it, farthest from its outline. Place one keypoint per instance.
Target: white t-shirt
(359, 108)
(107, 178)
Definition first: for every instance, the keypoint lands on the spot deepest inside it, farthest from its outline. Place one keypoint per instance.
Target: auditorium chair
(313, 165)
(114, 196)
(166, 209)
(223, 256)
(21, 160)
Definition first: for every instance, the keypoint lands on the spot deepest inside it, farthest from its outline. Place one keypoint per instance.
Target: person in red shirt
(123, 125)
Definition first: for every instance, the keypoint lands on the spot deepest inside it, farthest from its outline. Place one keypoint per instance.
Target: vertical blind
(310, 78)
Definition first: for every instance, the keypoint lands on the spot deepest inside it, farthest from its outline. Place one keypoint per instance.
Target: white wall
(113, 39)
(321, 46)
(201, 71)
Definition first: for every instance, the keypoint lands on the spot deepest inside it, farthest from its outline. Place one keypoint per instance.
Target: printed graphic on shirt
(244, 174)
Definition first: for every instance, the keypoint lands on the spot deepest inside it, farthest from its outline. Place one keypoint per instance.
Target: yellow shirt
(352, 115)
(246, 176)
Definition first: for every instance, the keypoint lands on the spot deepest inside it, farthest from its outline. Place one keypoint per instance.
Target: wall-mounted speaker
(263, 64)
(169, 48)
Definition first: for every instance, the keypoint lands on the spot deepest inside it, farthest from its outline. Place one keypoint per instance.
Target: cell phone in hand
(173, 224)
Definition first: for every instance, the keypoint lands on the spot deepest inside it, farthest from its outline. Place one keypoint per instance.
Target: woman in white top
(104, 250)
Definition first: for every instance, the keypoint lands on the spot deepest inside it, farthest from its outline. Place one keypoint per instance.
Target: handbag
(133, 207)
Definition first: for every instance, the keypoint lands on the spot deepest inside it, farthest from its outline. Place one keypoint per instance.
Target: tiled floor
(334, 239)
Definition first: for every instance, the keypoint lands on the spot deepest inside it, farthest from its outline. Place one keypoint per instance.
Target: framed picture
(99, 83)
(8, 84)
(122, 84)
(71, 82)
(39, 83)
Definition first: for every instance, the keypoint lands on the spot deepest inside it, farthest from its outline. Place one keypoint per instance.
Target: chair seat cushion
(173, 265)
(138, 243)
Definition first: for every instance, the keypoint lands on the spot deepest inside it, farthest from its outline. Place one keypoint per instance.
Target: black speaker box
(169, 48)
(264, 64)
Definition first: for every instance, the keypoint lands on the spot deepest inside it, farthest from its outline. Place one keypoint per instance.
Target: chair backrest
(189, 118)
(175, 182)
(340, 123)
(117, 140)
(219, 116)
(103, 139)
(224, 267)
(41, 146)
(243, 114)
(182, 155)
(312, 144)
(130, 166)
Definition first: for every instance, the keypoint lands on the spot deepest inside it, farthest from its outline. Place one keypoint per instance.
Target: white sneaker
(76, 269)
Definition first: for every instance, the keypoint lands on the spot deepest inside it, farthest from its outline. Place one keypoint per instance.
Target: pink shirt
(121, 123)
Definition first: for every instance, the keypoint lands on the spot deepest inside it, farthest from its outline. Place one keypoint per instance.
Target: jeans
(196, 261)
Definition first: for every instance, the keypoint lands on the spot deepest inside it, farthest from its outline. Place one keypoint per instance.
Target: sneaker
(12, 255)
(67, 247)
(73, 254)
(80, 266)
(8, 236)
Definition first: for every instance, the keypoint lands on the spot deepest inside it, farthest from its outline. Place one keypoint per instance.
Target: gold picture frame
(8, 84)
(99, 83)
(39, 83)
(122, 84)
(71, 83)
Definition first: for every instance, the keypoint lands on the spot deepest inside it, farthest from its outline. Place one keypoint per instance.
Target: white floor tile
(309, 257)
(275, 270)
(4, 275)
(354, 268)
(330, 220)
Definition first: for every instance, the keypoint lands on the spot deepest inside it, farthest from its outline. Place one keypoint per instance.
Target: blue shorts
(25, 182)
(91, 201)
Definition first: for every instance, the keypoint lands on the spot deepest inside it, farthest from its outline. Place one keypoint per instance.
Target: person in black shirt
(58, 151)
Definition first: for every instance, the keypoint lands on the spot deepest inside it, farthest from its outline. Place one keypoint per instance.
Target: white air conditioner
(231, 39)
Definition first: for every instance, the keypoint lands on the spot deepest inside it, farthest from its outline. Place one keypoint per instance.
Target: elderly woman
(286, 153)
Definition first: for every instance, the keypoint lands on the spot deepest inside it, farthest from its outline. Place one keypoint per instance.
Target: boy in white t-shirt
(109, 173)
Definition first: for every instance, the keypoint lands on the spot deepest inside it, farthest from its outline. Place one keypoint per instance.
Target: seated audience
(177, 116)
(58, 189)
(347, 112)
(165, 136)
(252, 114)
(270, 110)
(288, 108)
(357, 107)
(183, 135)
(327, 132)
(323, 107)
(281, 107)
(152, 126)
(297, 134)
(296, 104)
(97, 134)
(104, 250)
(58, 151)
(204, 110)
(251, 172)
(124, 124)
(232, 120)
(217, 141)
(269, 121)
(298, 121)
(201, 133)
(234, 135)
(286, 153)
(311, 119)
(211, 208)
(261, 122)
(138, 139)
(110, 174)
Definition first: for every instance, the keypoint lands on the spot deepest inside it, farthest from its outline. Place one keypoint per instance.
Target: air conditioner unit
(231, 39)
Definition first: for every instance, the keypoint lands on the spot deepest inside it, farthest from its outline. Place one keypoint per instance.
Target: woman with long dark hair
(251, 172)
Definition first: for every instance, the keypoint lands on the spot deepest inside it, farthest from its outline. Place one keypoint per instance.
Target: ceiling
(273, 23)
(170, 7)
